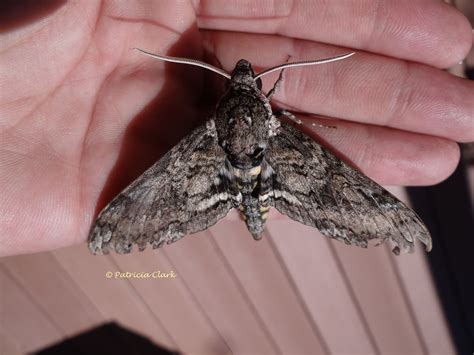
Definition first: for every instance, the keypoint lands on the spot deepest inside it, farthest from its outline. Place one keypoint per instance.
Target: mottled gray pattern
(169, 200)
(245, 158)
(322, 191)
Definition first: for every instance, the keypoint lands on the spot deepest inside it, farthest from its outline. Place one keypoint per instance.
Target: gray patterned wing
(186, 191)
(312, 186)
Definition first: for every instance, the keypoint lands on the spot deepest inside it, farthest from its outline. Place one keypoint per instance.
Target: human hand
(82, 114)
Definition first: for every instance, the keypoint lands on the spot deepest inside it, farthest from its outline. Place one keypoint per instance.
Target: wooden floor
(294, 292)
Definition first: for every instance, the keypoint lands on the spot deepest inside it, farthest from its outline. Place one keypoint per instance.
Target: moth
(244, 157)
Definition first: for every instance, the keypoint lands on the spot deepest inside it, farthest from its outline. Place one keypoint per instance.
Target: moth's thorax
(242, 122)
(245, 158)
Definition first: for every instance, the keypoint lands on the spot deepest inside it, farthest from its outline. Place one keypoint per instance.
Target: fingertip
(458, 38)
(444, 163)
(393, 157)
(432, 161)
(435, 33)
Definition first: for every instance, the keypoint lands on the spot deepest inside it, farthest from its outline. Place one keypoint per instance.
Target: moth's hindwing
(312, 186)
(184, 192)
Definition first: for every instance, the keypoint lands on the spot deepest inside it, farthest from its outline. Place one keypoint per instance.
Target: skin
(82, 115)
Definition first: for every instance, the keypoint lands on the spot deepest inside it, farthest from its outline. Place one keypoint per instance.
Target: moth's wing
(312, 186)
(182, 193)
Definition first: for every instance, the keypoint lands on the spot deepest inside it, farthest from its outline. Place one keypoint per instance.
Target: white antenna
(186, 61)
(303, 63)
(228, 76)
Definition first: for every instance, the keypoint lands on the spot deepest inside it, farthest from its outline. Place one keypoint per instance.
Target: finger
(389, 156)
(413, 30)
(365, 87)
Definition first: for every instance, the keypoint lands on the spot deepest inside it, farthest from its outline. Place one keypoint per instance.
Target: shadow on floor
(109, 338)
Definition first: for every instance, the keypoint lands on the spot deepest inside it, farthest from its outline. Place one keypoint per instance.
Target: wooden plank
(292, 292)
(269, 289)
(9, 346)
(42, 275)
(417, 283)
(115, 299)
(172, 302)
(376, 288)
(21, 319)
(447, 210)
(416, 280)
(198, 263)
(319, 281)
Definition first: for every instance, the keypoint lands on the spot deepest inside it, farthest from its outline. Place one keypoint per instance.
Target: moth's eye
(259, 83)
(257, 153)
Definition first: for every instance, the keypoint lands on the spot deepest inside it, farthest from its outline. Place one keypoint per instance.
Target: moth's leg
(276, 86)
(322, 125)
(297, 120)
(289, 115)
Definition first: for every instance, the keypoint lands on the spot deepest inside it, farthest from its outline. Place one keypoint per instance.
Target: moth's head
(243, 74)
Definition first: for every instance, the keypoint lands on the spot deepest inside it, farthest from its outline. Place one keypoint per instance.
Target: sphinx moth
(244, 157)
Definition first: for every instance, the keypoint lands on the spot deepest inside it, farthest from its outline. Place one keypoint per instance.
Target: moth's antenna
(303, 63)
(186, 61)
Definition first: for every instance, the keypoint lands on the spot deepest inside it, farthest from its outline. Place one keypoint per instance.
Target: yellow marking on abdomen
(264, 209)
(255, 170)
(248, 172)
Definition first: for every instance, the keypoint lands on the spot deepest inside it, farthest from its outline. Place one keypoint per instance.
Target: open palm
(82, 114)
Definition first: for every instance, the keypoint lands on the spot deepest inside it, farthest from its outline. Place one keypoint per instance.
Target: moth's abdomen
(252, 211)
(254, 216)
